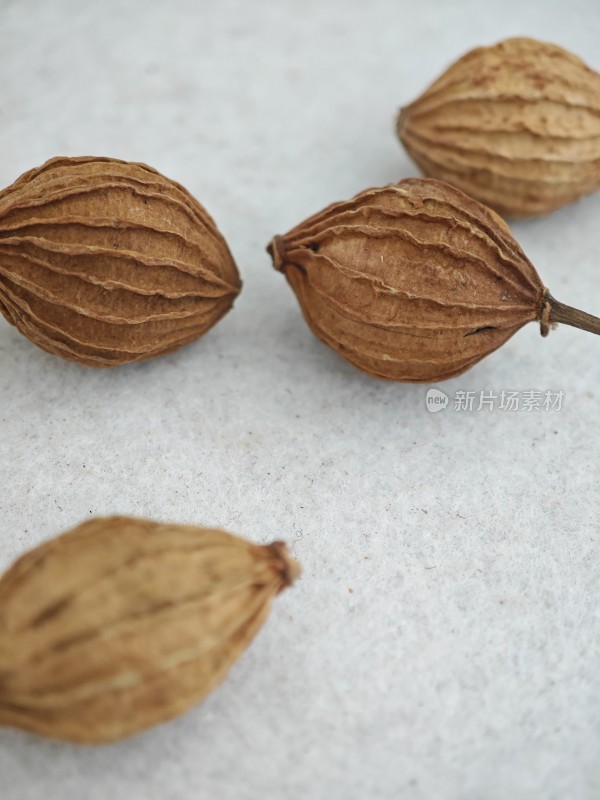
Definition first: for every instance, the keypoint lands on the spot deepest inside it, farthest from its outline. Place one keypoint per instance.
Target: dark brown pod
(105, 262)
(415, 281)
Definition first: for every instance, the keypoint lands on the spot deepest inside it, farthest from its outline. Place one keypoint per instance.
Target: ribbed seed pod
(516, 125)
(122, 623)
(105, 262)
(415, 281)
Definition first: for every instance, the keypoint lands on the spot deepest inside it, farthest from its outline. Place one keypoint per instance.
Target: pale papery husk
(515, 125)
(121, 624)
(415, 281)
(106, 262)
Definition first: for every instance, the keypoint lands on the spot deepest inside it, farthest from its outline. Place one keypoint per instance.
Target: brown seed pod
(516, 125)
(121, 624)
(415, 281)
(105, 262)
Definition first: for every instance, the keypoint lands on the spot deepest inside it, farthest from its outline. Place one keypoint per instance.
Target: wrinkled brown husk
(516, 125)
(411, 282)
(105, 262)
(122, 623)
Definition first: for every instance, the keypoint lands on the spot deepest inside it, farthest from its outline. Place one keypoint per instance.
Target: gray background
(443, 641)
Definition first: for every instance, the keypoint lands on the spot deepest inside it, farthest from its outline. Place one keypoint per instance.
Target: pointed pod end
(289, 568)
(276, 249)
(401, 119)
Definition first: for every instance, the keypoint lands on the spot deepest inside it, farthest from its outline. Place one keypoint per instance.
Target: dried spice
(516, 125)
(120, 624)
(415, 281)
(106, 262)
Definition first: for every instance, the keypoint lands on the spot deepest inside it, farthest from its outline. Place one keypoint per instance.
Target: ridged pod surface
(411, 282)
(516, 125)
(122, 623)
(105, 262)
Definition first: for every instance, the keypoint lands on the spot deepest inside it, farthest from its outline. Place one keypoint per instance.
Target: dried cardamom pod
(105, 262)
(516, 125)
(415, 281)
(120, 624)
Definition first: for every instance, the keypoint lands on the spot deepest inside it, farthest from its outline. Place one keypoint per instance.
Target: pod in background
(106, 262)
(516, 126)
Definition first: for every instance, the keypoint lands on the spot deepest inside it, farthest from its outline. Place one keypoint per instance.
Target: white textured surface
(444, 640)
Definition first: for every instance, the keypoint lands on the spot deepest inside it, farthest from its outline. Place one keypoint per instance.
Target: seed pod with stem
(415, 281)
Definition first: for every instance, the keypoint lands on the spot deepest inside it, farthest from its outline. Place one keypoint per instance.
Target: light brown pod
(415, 281)
(516, 125)
(122, 623)
(105, 262)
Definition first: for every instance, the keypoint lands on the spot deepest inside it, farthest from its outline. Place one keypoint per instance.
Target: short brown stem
(572, 316)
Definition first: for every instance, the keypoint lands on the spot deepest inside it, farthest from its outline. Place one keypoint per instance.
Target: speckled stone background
(444, 639)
